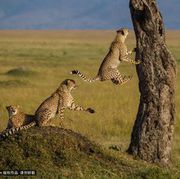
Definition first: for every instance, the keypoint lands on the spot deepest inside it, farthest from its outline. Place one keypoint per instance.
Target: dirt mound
(51, 151)
(61, 153)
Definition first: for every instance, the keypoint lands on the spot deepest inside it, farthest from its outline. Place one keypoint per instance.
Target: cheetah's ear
(18, 106)
(121, 31)
(66, 82)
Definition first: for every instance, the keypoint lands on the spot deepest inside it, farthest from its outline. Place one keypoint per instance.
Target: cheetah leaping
(117, 53)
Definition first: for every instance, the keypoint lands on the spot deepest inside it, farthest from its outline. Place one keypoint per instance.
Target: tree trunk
(152, 134)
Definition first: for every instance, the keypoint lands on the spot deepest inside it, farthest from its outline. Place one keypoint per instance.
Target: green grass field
(47, 57)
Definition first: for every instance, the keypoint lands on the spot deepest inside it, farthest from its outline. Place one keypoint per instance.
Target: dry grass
(51, 55)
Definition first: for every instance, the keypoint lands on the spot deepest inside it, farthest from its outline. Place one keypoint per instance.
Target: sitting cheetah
(17, 121)
(117, 53)
(17, 118)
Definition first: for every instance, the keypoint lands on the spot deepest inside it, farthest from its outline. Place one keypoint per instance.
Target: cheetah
(108, 69)
(17, 118)
(57, 103)
(18, 121)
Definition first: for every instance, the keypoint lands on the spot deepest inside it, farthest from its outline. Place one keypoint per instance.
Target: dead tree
(152, 134)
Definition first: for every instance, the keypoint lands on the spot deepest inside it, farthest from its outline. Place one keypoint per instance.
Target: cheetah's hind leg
(43, 118)
(121, 80)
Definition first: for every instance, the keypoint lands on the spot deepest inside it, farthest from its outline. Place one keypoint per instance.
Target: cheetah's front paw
(90, 110)
(61, 124)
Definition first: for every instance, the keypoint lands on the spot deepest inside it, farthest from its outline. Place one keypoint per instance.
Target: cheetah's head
(122, 34)
(70, 84)
(12, 110)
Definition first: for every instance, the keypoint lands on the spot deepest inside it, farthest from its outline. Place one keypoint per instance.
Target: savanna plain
(34, 63)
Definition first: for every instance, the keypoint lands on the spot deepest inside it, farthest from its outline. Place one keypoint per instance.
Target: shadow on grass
(21, 72)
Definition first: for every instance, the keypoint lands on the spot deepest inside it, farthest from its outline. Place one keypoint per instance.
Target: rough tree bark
(152, 134)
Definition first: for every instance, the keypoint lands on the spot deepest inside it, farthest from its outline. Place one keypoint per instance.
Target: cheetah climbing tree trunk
(152, 134)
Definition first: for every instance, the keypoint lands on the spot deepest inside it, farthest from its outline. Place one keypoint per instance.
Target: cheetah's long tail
(12, 131)
(90, 80)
